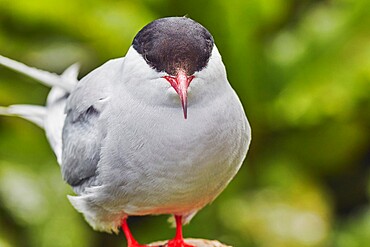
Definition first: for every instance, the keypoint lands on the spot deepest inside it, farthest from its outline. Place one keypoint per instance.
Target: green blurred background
(302, 71)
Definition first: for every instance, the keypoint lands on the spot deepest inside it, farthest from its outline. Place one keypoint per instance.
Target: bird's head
(168, 55)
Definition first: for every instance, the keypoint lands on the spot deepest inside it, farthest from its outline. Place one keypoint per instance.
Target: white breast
(158, 162)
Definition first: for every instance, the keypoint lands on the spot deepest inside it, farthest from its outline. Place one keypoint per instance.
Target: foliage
(302, 71)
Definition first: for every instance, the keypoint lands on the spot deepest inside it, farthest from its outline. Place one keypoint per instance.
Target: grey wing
(84, 130)
(81, 139)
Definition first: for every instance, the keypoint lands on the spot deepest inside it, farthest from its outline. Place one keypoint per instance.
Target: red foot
(178, 241)
(131, 241)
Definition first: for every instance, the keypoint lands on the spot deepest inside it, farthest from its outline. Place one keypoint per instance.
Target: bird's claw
(178, 243)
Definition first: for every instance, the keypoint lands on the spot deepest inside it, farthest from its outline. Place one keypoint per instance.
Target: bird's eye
(146, 57)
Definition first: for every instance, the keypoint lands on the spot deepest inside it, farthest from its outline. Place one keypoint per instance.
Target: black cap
(173, 43)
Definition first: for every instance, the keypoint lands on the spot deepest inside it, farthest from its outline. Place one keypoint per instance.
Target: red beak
(181, 83)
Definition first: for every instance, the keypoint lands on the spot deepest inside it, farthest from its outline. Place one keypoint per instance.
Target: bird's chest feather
(174, 159)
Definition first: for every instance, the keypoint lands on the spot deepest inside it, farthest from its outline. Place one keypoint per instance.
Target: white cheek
(195, 86)
(171, 91)
(172, 95)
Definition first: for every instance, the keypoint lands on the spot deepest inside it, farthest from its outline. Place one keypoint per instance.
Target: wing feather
(84, 130)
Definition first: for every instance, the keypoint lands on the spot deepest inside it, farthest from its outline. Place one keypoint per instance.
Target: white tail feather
(50, 117)
(71, 73)
(49, 79)
(33, 113)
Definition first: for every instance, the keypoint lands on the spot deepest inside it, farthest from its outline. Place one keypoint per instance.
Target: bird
(158, 131)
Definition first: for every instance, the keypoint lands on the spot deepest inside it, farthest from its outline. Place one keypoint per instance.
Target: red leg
(178, 241)
(131, 241)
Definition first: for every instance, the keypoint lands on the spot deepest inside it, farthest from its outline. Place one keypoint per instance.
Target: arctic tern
(159, 131)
